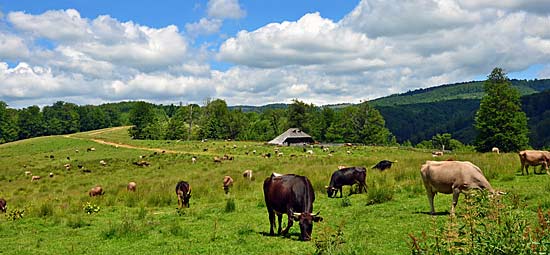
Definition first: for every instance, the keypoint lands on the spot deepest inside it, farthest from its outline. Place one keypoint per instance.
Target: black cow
(347, 176)
(292, 195)
(3, 205)
(183, 191)
(383, 165)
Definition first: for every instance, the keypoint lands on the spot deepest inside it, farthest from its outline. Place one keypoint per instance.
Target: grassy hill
(466, 90)
(147, 222)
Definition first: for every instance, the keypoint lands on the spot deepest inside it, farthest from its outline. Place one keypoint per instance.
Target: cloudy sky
(258, 52)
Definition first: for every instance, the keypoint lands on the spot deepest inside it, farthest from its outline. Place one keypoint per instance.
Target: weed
(330, 241)
(230, 205)
(345, 202)
(76, 222)
(15, 214)
(90, 208)
(381, 191)
(45, 210)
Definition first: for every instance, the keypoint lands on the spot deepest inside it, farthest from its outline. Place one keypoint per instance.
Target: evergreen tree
(500, 121)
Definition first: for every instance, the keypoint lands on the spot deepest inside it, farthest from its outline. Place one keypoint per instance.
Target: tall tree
(31, 123)
(214, 122)
(8, 124)
(297, 115)
(500, 121)
(61, 118)
(141, 116)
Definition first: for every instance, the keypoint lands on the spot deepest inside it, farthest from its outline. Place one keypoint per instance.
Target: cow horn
(317, 213)
(296, 214)
(326, 187)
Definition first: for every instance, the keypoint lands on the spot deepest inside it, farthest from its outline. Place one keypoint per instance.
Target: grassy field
(147, 222)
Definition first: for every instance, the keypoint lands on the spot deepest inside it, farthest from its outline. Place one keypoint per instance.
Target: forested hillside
(466, 90)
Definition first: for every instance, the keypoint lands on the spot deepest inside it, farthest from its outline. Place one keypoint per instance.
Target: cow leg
(271, 221)
(431, 196)
(340, 191)
(456, 193)
(280, 219)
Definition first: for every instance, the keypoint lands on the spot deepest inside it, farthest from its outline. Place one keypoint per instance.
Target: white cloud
(204, 27)
(535, 6)
(225, 9)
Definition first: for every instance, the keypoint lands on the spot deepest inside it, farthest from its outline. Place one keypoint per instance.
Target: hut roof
(292, 135)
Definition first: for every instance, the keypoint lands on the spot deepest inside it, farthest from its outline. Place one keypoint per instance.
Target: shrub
(329, 241)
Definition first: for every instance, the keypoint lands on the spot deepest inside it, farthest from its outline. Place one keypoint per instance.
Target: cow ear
(317, 218)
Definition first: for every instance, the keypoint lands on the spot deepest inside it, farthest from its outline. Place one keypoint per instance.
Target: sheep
(495, 150)
(96, 191)
(194, 159)
(102, 163)
(247, 174)
(28, 173)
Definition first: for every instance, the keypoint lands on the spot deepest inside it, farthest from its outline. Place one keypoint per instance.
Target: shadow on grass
(285, 236)
(435, 214)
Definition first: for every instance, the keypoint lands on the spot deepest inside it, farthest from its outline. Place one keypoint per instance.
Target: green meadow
(49, 216)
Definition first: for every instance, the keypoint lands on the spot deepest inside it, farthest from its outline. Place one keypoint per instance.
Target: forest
(409, 119)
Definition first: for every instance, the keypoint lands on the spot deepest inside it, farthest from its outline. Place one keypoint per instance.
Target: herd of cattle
(293, 194)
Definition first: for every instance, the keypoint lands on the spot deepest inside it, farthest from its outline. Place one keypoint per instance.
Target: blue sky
(258, 52)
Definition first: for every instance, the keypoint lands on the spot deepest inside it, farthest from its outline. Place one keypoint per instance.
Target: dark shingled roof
(292, 135)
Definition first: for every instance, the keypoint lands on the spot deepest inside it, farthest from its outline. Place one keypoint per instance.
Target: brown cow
(131, 186)
(35, 178)
(452, 177)
(96, 191)
(534, 158)
(292, 195)
(3, 205)
(227, 182)
(183, 191)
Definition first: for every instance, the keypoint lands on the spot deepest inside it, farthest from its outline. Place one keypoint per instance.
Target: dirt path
(134, 147)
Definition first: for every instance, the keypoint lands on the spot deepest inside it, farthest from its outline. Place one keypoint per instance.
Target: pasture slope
(147, 222)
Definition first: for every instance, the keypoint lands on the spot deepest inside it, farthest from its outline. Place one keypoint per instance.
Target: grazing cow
(3, 205)
(28, 173)
(35, 178)
(292, 195)
(194, 159)
(141, 163)
(310, 152)
(452, 177)
(247, 174)
(347, 176)
(183, 191)
(495, 150)
(227, 182)
(51, 175)
(102, 163)
(534, 158)
(67, 166)
(437, 153)
(131, 186)
(96, 191)
(90, 149)
(383, 165)
(217, 159)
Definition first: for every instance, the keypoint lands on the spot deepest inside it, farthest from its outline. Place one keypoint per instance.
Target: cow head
(330, 190)
(305, 221)
(186, 198)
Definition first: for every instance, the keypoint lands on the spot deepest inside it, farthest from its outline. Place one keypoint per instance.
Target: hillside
(466, 90)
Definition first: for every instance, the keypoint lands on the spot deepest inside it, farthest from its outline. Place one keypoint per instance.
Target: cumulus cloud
(204, 27)
(385, 47)
(225, 9)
